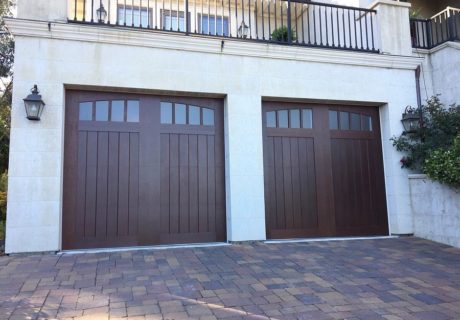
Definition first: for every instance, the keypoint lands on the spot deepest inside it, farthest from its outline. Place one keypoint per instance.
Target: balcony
(292, 22)
(442, 27)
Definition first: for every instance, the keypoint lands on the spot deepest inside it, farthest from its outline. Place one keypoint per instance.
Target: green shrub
(444, 165)
(281, 34)
(2, 230)
(434, 149)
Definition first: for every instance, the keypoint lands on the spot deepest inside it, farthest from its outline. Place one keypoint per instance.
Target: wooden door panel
(322, 181)
(136, 181)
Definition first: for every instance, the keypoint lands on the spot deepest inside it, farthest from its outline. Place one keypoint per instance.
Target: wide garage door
(323, 171)
(142, 170)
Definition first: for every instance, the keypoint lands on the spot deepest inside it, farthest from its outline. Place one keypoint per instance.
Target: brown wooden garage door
(142, 170)
(323, 171)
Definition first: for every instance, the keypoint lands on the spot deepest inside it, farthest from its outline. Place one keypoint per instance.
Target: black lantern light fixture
(243, 30)
(411, 119)
(101, 14)
(34, 104)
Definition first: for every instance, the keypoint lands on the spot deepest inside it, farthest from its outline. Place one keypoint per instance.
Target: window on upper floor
(212, 25)
(134, 16)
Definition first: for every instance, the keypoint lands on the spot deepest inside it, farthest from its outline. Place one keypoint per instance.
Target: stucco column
(394, 27)
(244, 168)
(47, 10)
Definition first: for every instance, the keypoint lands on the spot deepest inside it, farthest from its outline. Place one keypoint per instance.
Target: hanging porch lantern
(243, 30)
(34, 104)
(411, 119)
(101, 14)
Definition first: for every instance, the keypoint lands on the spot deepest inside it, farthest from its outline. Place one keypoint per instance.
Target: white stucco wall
(436, 210)
(441, 72)
(58, 55)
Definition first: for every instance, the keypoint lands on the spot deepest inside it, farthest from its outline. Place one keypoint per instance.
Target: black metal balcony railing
(443, 27)
(293, 22)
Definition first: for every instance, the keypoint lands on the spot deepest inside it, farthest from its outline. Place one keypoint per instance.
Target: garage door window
(292, 118)
(349, 121)
(86, 111)
(178, 113)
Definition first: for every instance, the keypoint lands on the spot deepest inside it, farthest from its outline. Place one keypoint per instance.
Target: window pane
(271, 119)
(166, 112)
(367, 123)
(118, 111)
(194, 115)
(355, 121)
(170, 20)
(180, 116)
(102, 111)
(208, 117)
(344, 121)
(307, 118)
(133, 111)
(294, 117)
(282, 118)
(333, 122)
(86, 111)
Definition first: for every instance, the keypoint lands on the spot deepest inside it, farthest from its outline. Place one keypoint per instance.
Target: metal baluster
(250, 26)
(296, 24)
(367, 32)
(372, 32)
(255, 17)
(201, 16)
(344, 30)
(215, 19)
(269, 20)
(194, 16)
(338, 27)
(236, 17)
(263, 19)
(281, 14)
(276, 26)
(356, 34)
(132, 13)
(223, 20)
(124, 13)
(314, 24)
(177, 16)
(148, 14)
(140, 14)
(186, 18)
(288, 21)
(209, 17)
(320, 26)
(332, 28)
(92, 10)
(156, 14)
(229, 19)
(242, 12)
(163, 17)
(303, 26)
(308, 25)
(361, 30)
(108, 14)
(75, 3)
(349, 28)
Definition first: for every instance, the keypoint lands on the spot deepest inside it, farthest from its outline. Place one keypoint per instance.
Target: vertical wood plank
(81, 185)
(184, 184)
(101, 184)
(174, 183)
(296, 196)
(193, 183)
(279, 184)
(112, 195)
(164, 182)
(123, 185)
(202, 184)
(287, 176)
(211, 184)
(133, 183)
(91, 183)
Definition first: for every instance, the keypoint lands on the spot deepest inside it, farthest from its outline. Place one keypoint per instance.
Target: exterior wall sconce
(243, 30)
(34, 104)
(101, 14)
(412, 119)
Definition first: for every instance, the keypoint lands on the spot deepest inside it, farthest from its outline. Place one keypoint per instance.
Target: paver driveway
(406, 278)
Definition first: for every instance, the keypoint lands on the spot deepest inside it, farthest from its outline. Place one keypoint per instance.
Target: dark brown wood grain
(142, 183)
(322, 182)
